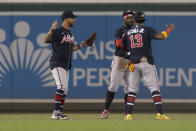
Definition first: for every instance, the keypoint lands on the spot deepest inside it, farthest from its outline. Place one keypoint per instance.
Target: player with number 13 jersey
(138, 41)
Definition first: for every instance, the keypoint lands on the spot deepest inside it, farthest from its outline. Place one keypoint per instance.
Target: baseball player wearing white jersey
(138, 41)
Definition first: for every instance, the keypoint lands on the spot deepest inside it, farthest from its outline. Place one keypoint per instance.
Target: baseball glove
(90, 40)
(121, 64)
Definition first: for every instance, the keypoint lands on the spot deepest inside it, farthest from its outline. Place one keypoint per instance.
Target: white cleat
(58, 115)
(55, 115)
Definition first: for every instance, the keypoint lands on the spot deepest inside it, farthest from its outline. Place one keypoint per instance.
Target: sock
(57, 99)
(62, 102)
(125, 101)
(156, 96)
(130, 102)
(108, 100)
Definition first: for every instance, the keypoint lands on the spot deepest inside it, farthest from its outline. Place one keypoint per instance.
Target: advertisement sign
(24, 57)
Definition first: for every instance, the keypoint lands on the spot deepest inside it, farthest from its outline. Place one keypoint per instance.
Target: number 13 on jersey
(136, 41)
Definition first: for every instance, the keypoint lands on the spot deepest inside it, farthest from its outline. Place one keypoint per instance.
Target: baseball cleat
(59, 115)
(63, 116)
(162, 117)
(128, 117)
(55, 115)
(105, 114)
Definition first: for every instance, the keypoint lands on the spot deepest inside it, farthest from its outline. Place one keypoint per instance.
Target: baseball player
(63, 45)
(118, 72)
(138, 40)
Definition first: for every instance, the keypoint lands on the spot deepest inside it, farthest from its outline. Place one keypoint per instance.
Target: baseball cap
(139, 16)
(68, 14)
(127, 12)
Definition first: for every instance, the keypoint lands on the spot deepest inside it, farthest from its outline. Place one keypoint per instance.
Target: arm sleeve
(152, 33)
(118, 38)
(118, 43)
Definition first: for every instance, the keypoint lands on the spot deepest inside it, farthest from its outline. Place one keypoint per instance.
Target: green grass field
(92, 122)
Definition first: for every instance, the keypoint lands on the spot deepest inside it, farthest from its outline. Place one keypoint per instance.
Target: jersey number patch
(136, 41)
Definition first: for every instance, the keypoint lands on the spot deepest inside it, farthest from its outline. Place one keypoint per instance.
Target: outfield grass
(92, 122)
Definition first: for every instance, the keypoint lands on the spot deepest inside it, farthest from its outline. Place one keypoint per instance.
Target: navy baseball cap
(68, 14)
(139, 16)
(128, 12)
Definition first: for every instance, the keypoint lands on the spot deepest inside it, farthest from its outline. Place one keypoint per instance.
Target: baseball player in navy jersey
(118, 72)
(63, 45)
(138, 40)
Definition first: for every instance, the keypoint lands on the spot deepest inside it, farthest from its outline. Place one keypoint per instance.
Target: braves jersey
(62, 43)
(138, 41)
(119, 35)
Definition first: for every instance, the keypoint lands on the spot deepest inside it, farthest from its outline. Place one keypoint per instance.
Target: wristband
(165, 34)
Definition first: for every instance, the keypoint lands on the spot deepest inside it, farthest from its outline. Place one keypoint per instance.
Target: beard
(71, 24)
(129, 24)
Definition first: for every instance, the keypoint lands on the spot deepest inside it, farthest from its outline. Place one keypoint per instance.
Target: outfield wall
(100, 1)
(24, 67)
(79, 105)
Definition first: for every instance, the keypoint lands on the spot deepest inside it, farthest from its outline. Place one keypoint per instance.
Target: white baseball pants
(147, 73)
(117, 76)
(61, 77)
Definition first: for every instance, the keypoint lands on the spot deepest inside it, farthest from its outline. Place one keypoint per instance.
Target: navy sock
(108, 100)
(58, 98)
(156, 96)
(130, 102)
(125, 101)
(62, 102)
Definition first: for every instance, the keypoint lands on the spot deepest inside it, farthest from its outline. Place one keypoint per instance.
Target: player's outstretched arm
(87, 43)
(164, 34)
(49, 35)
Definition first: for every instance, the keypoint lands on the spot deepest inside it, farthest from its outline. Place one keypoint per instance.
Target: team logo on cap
(128, 11)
